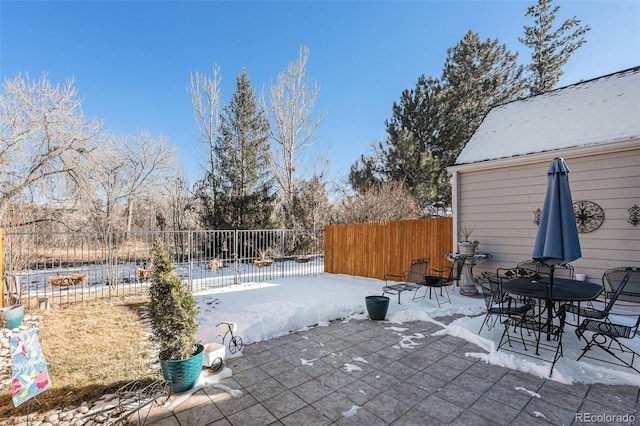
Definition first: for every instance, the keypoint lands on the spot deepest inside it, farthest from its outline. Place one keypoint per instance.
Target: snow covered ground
(265, 310)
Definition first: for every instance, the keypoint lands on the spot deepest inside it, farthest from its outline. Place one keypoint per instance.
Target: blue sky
(131, 60)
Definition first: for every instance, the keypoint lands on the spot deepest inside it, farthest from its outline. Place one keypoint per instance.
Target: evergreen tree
(412, 138)
(365, 173)
(551, 48)
(477, 76)
(244, 198)
(432, 123)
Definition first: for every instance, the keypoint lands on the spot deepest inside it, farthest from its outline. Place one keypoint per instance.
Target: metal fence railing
(65, 268)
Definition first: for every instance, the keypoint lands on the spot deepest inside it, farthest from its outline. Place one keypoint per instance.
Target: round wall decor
(589, 216)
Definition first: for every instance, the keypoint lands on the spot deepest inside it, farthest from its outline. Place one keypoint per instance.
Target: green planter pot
(377, 306)
(12, 316)
(183, 374)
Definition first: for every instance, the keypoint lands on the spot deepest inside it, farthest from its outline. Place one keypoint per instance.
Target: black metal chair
(410, 280)
(616, 280)
(443, 278)
(543, 322)
(560, 271)
(500, 305)
(508, 274)
(537, 324)
(608, 327)
(612, 277)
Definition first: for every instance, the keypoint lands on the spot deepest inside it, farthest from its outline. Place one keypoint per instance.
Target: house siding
(499, 201)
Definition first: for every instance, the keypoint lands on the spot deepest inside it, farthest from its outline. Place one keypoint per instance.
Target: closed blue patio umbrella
(557, 240)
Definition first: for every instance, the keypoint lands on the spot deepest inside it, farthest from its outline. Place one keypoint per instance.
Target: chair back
(631, 292)
(456, 269)
(508, 274)
(417, 271)
(618, 280)
(529, 264)
(488, 286)
(612, 277)
(559, 271)
(492, 291)
(631, 288)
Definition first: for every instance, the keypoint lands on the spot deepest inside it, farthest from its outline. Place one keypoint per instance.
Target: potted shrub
(172, 311)
(466, 246)
(11, 316)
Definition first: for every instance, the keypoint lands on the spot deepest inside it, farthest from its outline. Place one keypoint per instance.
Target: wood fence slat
(374, 249)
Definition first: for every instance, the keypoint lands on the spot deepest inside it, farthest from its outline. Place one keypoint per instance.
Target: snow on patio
(266, 310)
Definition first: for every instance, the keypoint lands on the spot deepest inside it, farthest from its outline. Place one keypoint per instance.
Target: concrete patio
(362, 375)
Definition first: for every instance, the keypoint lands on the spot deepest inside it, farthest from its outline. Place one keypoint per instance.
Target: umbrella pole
(550, 302)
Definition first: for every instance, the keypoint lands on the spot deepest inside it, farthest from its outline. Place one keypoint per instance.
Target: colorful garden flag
(29, 372)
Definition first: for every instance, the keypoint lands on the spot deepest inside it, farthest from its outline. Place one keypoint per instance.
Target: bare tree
(149, 161)
(205, 101)
(128, 168)
(44, 137)
(388, 202)
(105, 195)
(181, 212)
(292, 101)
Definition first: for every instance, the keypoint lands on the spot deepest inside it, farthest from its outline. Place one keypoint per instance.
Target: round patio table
(562, 290)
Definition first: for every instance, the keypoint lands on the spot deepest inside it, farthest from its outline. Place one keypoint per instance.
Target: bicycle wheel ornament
(235, 344)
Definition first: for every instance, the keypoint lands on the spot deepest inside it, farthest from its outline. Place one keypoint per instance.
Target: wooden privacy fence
(374, 249)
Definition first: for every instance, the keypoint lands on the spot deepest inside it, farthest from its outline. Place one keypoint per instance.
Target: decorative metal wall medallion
(589, 216)
(634, 215)
(536, 216)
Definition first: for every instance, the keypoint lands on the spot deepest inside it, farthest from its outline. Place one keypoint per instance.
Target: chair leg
(446, 292)
(415, 294)
(486, 321)
(607, 348)
(507, 326)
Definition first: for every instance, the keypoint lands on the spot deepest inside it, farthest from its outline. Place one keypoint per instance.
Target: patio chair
(616, 325)
(507, 274)
(538, 324)
(443, 278)
(559, 271)
(613, 276)
(410, 280)
(500, 305)
(617, 279)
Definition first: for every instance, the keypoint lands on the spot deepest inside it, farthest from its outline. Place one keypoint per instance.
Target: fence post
(189, 240)
(236, 265)
(282, 253)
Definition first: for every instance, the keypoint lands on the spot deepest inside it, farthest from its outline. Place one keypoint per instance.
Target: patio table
(562, 290)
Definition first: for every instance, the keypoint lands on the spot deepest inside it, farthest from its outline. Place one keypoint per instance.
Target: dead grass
(91, 349)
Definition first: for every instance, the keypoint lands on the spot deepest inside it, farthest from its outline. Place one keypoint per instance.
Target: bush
(172, 309)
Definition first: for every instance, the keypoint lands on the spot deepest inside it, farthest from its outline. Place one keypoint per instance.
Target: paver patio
(362, 376)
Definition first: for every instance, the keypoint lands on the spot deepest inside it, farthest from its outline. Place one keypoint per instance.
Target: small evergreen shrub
(172, 309)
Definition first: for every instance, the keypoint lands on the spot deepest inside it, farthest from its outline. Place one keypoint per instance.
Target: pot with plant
(172, 311)
(11, 316)
(467, 246)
